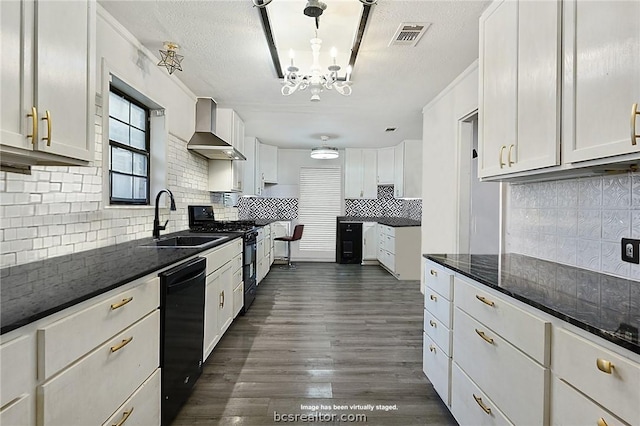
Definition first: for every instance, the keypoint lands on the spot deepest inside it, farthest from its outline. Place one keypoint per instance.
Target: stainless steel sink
(186, 241)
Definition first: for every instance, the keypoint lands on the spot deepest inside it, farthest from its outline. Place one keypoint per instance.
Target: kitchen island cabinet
(523, 353)
(47, 111)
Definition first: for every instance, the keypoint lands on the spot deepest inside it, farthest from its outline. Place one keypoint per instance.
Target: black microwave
(200, 215)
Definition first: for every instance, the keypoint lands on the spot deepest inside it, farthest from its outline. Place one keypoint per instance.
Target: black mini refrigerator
(349, 242)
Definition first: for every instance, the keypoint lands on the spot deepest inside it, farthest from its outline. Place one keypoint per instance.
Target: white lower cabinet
(19, 412)
(369, 242)
(470, 406)
(571, 408)
(14, 385)
(611, 380)
(436, 365)
(142, 408)
(399, 251)
(90, 390)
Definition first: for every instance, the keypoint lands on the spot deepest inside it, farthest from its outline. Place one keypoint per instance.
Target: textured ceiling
(227, 58)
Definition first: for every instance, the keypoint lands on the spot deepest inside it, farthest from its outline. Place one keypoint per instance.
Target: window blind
(319, 204)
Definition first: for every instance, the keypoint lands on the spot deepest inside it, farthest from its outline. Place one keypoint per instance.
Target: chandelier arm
(343, 88)
(263, 4)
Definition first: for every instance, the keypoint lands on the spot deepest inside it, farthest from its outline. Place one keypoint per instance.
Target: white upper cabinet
(269, 163)
(48, 67)
(408, 169)
(225, 175)
(519, 96)
(252, 176)
(385, 165)
(601, 78)
(360, 173)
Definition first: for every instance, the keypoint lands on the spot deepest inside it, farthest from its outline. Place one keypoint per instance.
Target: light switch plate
(630, 250)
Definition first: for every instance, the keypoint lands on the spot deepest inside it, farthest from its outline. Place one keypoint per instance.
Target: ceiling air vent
(409, 33)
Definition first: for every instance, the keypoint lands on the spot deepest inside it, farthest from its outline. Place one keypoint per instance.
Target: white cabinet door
(225, 124)
(66, 91)
(385, 165)
(269, 163)
(398, 170)
(224, 176)
(369, 241)
(601, 78)
(16, 44)
(498, 67)
(225, 306)
(360, 173)
(211, 326)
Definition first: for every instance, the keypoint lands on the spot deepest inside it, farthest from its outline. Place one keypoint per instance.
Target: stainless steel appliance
(182, 333)
(202, 219)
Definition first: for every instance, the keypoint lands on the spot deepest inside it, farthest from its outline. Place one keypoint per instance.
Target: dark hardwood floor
(322, 334)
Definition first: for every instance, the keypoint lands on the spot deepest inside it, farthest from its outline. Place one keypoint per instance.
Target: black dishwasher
(181, 333)
(349, 242)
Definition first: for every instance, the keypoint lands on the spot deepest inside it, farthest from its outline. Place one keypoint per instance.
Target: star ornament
(170, 59)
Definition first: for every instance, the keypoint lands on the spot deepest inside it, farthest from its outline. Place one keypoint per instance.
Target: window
(319, 204)
(129, 150)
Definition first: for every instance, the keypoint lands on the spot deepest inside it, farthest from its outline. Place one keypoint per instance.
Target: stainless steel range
(202, 220)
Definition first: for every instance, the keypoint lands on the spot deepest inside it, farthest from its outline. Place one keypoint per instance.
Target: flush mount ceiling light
(324, 152)
(315, 80)
(170, 59)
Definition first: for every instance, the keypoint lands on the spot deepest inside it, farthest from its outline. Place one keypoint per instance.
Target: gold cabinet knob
(432, 323)
(601, 422)
(433, 297)
(509, 162)
(432, 348)
(634, 134)
(34, 125)
(604, 365)
(502, 148)
(485, 300)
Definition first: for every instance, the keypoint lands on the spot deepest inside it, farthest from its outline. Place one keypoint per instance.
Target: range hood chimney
(205, 141)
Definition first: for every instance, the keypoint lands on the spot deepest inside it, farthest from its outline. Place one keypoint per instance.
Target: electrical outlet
(630, 250)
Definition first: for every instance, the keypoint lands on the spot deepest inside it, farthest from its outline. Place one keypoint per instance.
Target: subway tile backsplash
(577, 222)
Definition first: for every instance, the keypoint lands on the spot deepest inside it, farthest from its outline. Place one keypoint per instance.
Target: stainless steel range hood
(205, 141)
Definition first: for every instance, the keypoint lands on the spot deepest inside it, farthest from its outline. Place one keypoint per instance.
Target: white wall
(289, 163)
(440, 161)
(60, 210)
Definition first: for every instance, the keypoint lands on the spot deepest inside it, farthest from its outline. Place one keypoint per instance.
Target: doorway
(478, 202)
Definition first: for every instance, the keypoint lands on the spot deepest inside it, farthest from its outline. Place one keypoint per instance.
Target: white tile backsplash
(578, 222)
(58, 210)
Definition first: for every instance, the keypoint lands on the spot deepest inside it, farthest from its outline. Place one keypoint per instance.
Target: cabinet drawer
(18, 368)
(500, 370)
(528, 333)
(238, 299)
(142, 408)
(575, 360)
(436, 330)
(437, 367)
(237, 277)
(237, 262)
(389, 244)
(92, 389)
(439, 279)
(470, 406)
(18, 413)
(221, 255)
(58, 345)
(438, 306)
(570, 408)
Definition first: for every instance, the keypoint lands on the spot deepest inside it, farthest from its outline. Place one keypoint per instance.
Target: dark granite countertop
(604, 305)
(394, 222)
(35, 290)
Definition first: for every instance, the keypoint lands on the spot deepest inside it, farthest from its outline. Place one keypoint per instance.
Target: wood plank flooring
(322, 334)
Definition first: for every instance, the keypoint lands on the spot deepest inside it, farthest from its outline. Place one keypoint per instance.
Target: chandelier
(316, 81)
(169, 58)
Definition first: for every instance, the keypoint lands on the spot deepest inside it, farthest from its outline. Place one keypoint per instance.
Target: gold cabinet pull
(601, 422)
(34, 125)
(222, 299)
(485, 300)
(433, 297)
(47, 116)
(121, 303)
(121, 345)
(502, 148)
(509, 162)
(481, 404)
(432, 323)
(124, 418)
(434, 273)
(484, 336)
(432, 348)
(634, 135)
(604, 365)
